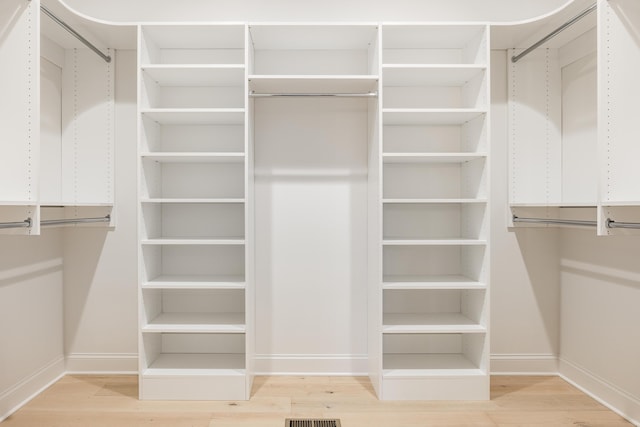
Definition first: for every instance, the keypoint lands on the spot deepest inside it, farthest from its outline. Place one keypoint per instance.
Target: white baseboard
(97, 363)
(619, 401)
(524, 364)
(314, 364)
(21, 393)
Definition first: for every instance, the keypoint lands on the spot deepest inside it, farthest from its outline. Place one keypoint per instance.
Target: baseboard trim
(619, 401)
(21, 393)
(524, 364)
(102, 363)
(314, 364)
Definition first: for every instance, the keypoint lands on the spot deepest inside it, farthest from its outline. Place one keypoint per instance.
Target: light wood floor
(101, 401)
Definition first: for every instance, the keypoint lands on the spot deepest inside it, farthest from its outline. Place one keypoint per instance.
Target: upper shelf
(313, 84)
(196, 74)
(430, 116)
(313, 36)
(430, 75)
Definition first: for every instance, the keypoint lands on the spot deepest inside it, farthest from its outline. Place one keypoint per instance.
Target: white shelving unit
(434, 213)
(195, 243)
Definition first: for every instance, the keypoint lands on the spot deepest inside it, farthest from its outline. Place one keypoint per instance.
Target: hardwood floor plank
(107, 401)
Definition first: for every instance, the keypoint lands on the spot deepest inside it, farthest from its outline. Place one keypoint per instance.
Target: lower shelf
(172, 364)
(195, 377)
(471, 386)
(428, 365)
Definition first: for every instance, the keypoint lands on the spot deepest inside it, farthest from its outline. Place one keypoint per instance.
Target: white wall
(525, 291)
(31, 352)
(100, 268)
(600, 334)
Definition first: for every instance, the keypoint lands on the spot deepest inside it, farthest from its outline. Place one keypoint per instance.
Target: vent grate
(311, 422)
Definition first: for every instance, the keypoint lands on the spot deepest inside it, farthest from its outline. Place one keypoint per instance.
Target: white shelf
(554, 205)
(54, 204)
(435, 201)
(197, 323)
(313, 84)
(411, 323)
(434, 242)
(434, 35)
(191, 157)
(633, 203)
(16, 203)
(431, 157)
(430, 116)
(193, 200)
(431, 282)
(196, 74)
(312, 36)
(196, 116)
(178, 364)
(429, 75)
(426, 365)
(193, 241)
(195, 282)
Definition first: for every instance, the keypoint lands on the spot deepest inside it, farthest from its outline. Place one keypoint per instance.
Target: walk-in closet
(429, 197)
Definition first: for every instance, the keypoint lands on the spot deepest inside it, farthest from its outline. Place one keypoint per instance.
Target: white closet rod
(317, 95)
(106, 218)
(74, 33)
(614, 224)
(556, 221)
(21, 224)
(554, 33)
(27, 222)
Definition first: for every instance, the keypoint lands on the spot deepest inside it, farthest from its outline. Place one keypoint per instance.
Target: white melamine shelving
(434, 206)
(194, 212)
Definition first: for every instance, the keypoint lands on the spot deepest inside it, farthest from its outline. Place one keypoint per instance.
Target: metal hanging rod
(556, 221)
(316, 95)
(615, 224)
(554, 33)
(19, 224)
(106, 218)
(73, 32)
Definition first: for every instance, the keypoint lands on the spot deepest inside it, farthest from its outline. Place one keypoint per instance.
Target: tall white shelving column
(435, 212)
(194, 221)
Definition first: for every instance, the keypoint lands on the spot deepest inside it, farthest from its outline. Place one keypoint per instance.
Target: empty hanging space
(553, 109)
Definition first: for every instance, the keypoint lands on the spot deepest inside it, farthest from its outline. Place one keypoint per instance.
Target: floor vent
(311, 422)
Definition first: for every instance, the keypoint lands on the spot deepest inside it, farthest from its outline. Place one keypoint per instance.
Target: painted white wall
(100, 268)
(525, 292)
(311, 235)
(31, 332)
(327, 10)
(600, 334)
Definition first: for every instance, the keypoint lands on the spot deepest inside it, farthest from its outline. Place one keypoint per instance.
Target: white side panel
(619, 67)
(20, 89)
(87, 128)
(50, 131)
(535, 123)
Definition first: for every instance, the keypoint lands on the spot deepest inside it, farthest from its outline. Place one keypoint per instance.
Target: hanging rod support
(554, 33)
(19, 224)
(615, 224)
(556, 221)
(106, 218)
(316, 95)
(73, 32)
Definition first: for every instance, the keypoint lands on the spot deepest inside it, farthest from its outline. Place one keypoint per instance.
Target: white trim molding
(22, 392)
(614, 398)
(102, 363)
(524, 364)
(311, 364)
